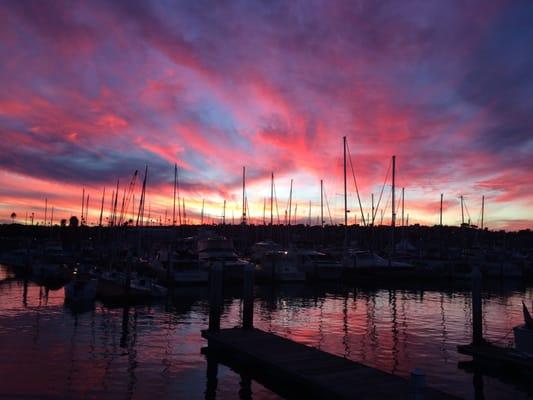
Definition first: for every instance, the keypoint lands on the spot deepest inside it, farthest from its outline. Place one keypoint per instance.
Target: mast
(482, 210)
(224, 213)
(115, 205)
(393, 217)
(345, 188)
(110, 221)
(264, 210)
(82, 205)
(178, 190)
(202, 214)
(290, 204)
(309, 220)
(243, 195)
(403, 204)
(372, 209)
(52, 217)
(272, 200)
(184, 214)
(174, 201)
(45, 210)
(462, 212)
(101, 208)
(321, 203)
(140, 214)
(87, 210)
(441, 196)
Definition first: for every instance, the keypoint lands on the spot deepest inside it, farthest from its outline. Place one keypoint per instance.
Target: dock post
(477, 311)
(248, 303)
(418, 384)
(215, 296)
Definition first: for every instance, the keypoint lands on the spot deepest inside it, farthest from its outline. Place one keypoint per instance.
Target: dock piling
(215, 296)
(248, 302)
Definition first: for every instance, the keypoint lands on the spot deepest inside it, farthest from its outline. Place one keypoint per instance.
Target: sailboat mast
(115, 205)
(482, 210)
(87, 210)
(321, 203)
(82, 205)
(202, 214)
(184, 214)
(45, 210)
(140, 214)
(372, 209)
(174, 201)
(403, 204)
(224, 213)
(101, 208)
(441, 196)
(393, 217)
(272, 200)
(462, 212)
(345, 187)
(264, 210)
(243, 195)
(290, 203)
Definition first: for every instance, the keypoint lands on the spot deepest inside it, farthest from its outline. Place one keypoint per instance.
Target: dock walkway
(311, 372)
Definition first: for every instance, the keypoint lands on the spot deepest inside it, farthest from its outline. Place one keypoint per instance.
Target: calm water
(153, 351)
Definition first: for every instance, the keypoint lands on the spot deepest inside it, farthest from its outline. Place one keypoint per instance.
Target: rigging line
(381, 193)
(355, 183)
(327, 206)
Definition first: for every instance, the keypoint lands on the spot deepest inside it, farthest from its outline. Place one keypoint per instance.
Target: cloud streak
(92, 91)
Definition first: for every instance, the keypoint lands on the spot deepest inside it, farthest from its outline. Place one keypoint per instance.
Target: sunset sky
(91, 91)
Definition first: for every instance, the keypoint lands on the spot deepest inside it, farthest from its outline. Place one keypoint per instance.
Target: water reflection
(153, 350)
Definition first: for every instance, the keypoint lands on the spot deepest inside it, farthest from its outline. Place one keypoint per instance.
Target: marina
(266, 200)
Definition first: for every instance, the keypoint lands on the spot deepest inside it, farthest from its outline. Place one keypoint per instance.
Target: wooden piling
(215, 296)
(248, 301)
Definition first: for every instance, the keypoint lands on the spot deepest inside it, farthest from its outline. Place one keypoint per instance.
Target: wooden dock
(309, 372)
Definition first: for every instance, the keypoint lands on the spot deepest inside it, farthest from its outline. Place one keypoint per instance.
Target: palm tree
(13, 216)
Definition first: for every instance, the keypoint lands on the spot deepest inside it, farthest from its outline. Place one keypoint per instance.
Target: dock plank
(309, 370)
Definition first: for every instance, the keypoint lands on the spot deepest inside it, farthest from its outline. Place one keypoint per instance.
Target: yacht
(220, 250)
(279, 266)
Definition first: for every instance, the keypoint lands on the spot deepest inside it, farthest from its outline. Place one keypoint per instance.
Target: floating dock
(309, 372)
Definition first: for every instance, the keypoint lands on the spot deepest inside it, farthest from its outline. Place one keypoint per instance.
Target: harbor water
(153, 350)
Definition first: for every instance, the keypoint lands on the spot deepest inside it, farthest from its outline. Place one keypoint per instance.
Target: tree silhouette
(13, 216)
